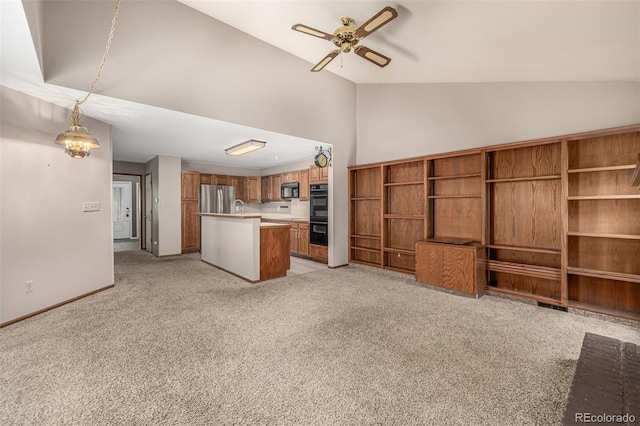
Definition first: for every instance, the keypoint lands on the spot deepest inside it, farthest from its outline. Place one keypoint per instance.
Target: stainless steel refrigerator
(217, 198)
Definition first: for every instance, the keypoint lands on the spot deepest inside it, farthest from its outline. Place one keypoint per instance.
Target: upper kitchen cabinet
(290, 177)
(253, 189)
(303, 178)
(276, 181)
(265, 187)
(318, 175)
(238, 182)
(190, 185)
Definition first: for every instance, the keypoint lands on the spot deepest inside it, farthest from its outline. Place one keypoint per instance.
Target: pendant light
(77, 140)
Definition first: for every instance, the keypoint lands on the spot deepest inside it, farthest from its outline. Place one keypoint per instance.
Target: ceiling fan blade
(323, 63)
(312, 31)
(372, 56)
(377, 21)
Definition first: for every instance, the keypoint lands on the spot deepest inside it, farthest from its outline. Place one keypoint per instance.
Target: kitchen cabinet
(190, 224)
(290, 177)
(205, 179)
(293, 237)
(265, 186)
(318, 174)
(220, 180)
(276, 181)
(238, 182)
(253, 189)
(303, 239)
(319, 253)
(303, 179)
(190, 185)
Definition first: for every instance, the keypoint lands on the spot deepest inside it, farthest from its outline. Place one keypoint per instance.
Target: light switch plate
(91, 206)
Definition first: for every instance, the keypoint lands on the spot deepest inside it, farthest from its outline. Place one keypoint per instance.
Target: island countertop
(245, 247)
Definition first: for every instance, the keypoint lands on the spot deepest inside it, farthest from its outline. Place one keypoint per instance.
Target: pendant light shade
(77, 140)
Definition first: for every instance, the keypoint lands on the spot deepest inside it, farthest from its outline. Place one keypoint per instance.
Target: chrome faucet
(241, 206)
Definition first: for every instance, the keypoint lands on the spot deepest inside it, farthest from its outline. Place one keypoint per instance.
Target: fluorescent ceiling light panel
(245, 147)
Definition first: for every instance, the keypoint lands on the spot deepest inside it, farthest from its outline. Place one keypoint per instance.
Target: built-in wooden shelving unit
(524, 228)
(404, 213)
(557, 217)
(603, 237)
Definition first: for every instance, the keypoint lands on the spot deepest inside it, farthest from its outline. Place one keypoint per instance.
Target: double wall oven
(319, 214)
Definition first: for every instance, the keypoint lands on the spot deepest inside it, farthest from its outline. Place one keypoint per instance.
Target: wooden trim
(527, 249)
(514, 293)
(603, 197)
(596, 235)
(564, 218)
(603, 310)
(635, 178)
(471, 175)
(525, 179)
(338, 266)
(435, 197)
(57, 305)
(164, 256)
(602, 169)
(536, 271)
(616, 276)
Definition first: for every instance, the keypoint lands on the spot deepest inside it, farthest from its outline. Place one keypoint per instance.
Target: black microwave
(290, 190)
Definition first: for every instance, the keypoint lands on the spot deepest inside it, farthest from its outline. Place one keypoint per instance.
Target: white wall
(169, 206)
(44, 235)
(396, 121)
(238, 78)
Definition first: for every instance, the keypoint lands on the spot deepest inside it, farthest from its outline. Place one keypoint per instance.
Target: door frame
(125, 184)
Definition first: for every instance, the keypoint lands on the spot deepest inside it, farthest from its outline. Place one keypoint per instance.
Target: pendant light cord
(104, 56)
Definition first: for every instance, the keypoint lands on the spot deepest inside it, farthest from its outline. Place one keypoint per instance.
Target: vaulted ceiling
(430, 42)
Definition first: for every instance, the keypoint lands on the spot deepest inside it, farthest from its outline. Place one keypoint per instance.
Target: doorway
(126, 202)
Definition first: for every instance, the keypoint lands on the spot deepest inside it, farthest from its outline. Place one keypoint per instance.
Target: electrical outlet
(91, 206)
(28, 286)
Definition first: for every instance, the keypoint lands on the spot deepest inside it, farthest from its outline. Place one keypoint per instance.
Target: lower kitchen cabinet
(190, 227)
(319, 253)
(303, 239)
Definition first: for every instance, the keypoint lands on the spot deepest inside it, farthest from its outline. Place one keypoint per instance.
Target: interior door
(121, 210)
(148, 206)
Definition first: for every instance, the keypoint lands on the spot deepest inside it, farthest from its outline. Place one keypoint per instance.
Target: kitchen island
(242, 246)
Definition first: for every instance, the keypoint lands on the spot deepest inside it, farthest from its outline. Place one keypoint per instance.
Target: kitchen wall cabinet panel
(318, 174)
(266, 187)
(190, 227)
(276, 181)
(190, 185)
(303, 178)
(253, 189)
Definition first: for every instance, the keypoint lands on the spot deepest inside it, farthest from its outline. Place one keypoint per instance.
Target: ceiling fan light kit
(347, 37)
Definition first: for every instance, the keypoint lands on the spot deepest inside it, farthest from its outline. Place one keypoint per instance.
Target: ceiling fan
(347, 37)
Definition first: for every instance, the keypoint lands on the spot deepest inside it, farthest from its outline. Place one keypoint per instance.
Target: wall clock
(321, 160)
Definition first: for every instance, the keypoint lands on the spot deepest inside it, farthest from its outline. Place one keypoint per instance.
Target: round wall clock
(321, 160)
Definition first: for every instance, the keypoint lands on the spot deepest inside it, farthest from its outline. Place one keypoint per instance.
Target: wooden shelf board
(544, 299)
(366, 198)
(435, 197)
(418, 182)
(368, 237)
(399, 250)
(602, 169)
(617, 276)
(527, 249)
(524, 179)
(603, 310)
(367, 249)
(604, 197)
(543, 272)
(404, 216)
(470, 175)
(599, 235)
(362, 262)
(404, 271)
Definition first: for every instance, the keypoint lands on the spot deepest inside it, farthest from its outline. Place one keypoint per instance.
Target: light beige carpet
(178, 342)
